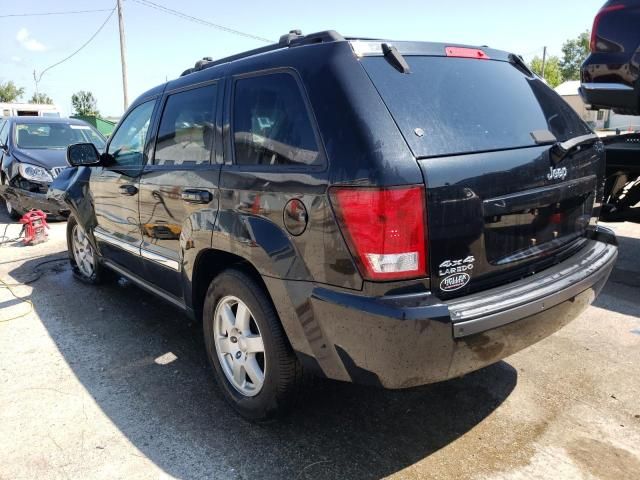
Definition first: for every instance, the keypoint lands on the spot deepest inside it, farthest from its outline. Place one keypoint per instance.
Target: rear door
(499, 205)
(179, 189)
(114, 190)
(273, 181)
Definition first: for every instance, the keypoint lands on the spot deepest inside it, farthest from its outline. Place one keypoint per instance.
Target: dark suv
(387, 213)
(611, 79)
(611, 73)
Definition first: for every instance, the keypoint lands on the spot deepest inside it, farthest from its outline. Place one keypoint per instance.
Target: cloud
(27, 41)
(16, 59)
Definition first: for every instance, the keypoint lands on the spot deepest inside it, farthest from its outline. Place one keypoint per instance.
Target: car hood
(47, 158)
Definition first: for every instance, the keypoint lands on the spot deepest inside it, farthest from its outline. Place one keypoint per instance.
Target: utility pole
(544, 57)
(35, 79)
(123, 58)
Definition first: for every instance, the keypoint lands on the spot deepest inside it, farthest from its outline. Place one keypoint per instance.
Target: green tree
(84, 103)
(552, 72)
(41, 98)
(9, 92)
(574, 52)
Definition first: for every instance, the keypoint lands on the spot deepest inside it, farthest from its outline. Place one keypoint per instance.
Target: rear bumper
(409, 340)
(24, 201)
(609, 95)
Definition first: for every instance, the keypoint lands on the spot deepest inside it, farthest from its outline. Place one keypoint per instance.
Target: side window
(186, 132)
(271, 124)
(127, 145)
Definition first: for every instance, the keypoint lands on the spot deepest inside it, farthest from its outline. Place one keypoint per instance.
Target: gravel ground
(111, 383)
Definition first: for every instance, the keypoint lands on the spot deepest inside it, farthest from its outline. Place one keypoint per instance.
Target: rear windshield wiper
(561, 149)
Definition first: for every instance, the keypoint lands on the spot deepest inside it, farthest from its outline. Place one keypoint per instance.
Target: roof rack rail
(292, 39)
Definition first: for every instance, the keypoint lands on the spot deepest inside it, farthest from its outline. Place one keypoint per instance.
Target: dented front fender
(72, 188)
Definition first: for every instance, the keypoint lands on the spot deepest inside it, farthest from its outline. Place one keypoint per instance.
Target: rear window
(271, 124)
(451, 105)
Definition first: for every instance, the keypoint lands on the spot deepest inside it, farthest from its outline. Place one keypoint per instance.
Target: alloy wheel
(82, 252)
(239, 346)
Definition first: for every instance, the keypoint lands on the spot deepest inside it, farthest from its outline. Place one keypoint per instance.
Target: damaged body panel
(71, 189)
(33, 155)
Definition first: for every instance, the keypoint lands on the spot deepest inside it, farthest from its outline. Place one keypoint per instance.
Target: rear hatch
(501, 201)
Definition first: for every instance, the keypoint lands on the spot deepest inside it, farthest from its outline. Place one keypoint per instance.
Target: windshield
(449, 105)
(56, 135)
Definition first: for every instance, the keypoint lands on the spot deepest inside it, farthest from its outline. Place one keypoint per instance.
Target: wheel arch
(208, 265)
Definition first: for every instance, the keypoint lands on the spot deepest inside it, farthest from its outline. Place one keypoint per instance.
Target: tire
(11, 210)
(282, 373)
(9, 207)
(94, 275)
(630, 195)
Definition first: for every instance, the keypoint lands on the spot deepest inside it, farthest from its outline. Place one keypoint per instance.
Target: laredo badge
(454, 273)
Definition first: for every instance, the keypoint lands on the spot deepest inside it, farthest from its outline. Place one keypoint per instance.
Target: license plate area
(535, 223)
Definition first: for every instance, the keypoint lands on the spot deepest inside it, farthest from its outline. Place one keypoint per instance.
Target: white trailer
(28, 110)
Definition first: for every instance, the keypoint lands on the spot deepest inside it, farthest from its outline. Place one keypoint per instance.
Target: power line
(184, 16)
(71, 12)
(77, 51)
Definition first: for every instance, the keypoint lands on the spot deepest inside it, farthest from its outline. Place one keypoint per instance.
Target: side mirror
(83, 155)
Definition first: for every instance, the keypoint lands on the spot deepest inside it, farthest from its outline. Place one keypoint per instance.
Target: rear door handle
(197, 196)
(128, 190)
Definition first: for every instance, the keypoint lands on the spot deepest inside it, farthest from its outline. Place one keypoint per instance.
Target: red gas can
(35, 227)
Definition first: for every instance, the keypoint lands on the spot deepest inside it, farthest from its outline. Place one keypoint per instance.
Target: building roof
(568, 88)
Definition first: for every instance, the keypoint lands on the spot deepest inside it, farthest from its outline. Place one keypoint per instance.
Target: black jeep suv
(387, 213)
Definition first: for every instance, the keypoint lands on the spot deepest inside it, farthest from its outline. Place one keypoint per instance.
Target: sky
(160, 46)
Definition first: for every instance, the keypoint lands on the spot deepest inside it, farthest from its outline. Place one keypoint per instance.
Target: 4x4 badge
(459, 265)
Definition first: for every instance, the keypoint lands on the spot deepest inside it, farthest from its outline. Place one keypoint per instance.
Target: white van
(28, 110)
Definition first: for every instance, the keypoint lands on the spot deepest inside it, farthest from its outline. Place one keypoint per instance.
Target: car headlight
(34, 173)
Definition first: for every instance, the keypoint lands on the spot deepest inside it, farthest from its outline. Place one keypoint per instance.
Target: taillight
(593, 44)
(465, 52)
(385, 229)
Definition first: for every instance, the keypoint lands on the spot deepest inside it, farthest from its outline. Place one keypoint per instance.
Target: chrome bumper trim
(606, 86)
(506, 304)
